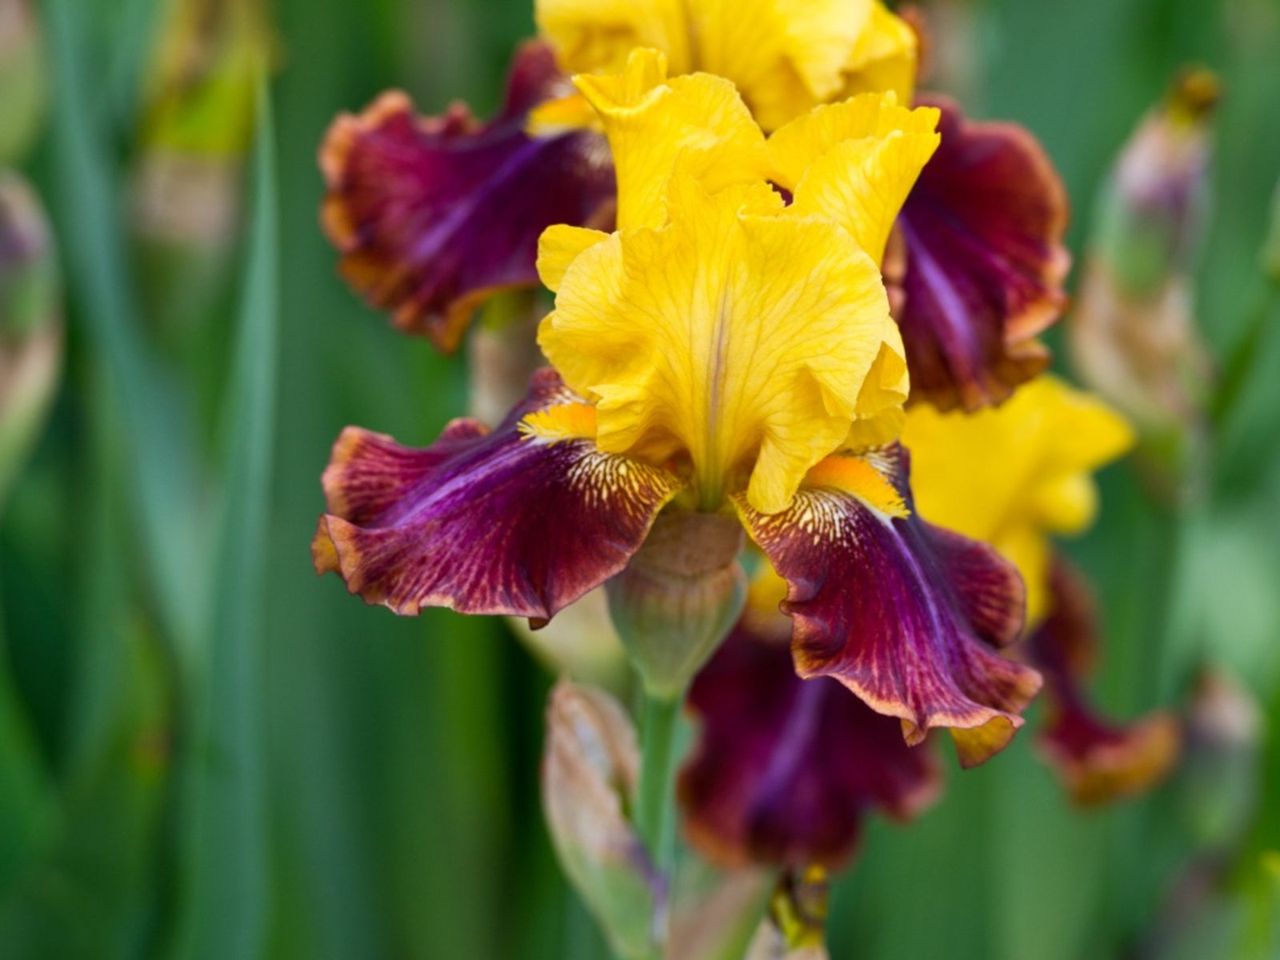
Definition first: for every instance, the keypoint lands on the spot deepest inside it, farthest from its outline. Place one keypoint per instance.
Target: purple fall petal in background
(784, 769)
(433, 215)
(982, 236)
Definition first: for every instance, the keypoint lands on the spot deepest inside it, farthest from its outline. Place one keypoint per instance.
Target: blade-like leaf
(159, 442)
(227, 873)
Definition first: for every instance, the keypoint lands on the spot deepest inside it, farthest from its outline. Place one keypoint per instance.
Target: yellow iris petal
(695, 124)
(884, 57)
(558, 246)
(1014, 474)
(598, 35)
(855, 162)
(785, 57)
(567, 421)
(737, 334)
(562, 115)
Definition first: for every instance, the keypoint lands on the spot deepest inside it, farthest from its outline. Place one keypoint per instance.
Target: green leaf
(165, 485)
(226, 909)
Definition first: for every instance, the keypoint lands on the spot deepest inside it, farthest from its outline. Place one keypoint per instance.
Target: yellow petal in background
(784, 57)
(695, 124)
(737, 336)
(1015, 474)
(597, 36)
(884, 58)
(855, 162)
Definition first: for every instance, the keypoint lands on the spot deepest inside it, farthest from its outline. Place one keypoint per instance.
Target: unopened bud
(198, 117)
(22, 80)
(1222, 760)
(30, 323)
(678, 597)
(589, 768)
(580, 643)
(716, 912)
(1133, 333)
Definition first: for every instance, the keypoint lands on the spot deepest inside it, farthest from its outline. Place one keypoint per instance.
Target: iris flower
(727, 349)
(432, 215)
(784, 771)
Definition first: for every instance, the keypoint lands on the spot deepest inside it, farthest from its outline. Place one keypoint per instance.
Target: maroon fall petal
(985, 262)
(785, 769)
(904, 614)
(484, 522)
(434, 214)
(1098, 761)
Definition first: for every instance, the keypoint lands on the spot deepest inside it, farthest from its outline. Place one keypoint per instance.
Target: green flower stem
(1242, 359)
(655, 801)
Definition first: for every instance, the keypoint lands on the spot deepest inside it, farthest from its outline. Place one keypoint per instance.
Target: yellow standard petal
(737, 338)
(1015, 474)
(695, 124)
(597, 36)
(884, 57)
(855, 162)
(785, 57)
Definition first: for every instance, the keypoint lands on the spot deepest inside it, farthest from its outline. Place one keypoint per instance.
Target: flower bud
(716, 912)
(1133, 334)
(589, 768)
(1223, 759)
(187, 182)
(30, 324)
(579, 643)
(678, 597)
(22, 80)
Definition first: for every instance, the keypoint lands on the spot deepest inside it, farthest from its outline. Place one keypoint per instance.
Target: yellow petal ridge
(860, 478)
(567, 421)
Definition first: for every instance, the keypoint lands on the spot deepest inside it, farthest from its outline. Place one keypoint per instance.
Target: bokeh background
(206, 750)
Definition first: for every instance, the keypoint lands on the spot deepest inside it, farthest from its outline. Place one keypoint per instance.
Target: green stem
(655, 801)
(1242, 359)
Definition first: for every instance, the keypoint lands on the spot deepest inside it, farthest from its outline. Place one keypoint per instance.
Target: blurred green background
(206, 750)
